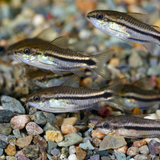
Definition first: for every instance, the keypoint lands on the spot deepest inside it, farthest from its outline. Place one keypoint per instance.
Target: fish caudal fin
(115, 100)
(100, 60)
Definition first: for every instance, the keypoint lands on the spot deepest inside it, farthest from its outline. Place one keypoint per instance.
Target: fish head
(28, 53)
(105, 126)
(41, 81)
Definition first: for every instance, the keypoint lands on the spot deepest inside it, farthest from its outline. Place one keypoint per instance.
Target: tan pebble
(86, 82)
(33, 129)
(157, 23)
(114, 62)
(59, 122)
(136, 110)
(149, 139)
(122, 149)
(97, 133)
(10, 150)
(71, 121)
(81, 154)
(139, 143)
(67, 129)
(54, 136)
(130, 1)
(24, 142)
(19, 122)
(86, 5)
(132, 151)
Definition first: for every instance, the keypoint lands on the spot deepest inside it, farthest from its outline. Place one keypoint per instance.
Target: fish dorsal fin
(117, 86)
(61, 41)
(139, 16)
(73, 81)
(42, 32)
(143, 84)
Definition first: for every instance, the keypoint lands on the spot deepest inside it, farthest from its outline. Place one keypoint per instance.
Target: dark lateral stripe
(106, 95)
(139, 40)
(143, 128)
(88, 62)
(139, 31)
(142, 99)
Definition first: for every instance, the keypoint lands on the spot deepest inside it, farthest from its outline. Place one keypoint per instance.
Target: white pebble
(72, 149)
(72, 157)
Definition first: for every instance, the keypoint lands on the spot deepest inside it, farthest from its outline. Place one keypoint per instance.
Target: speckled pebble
(11, 158)
(121, 149)
(105, 158)
(139, 143)
(33, 129)
(23, 142)
(54, 136)
(120, 156)
(3, 144)
(142, 157)
(5, 128)
(40, 118)
(5, 116)
(81, 154)
(144, 149)
(51, 145)
(154, 147)
(132, 151)
(95, 157)
(55, 151)
(10, 150)
(17, 133)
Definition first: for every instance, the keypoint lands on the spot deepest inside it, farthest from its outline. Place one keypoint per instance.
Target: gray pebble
(11, 139)
(50, 117)
(103, 153)
(17, 133)
(40, 118)
(95, 157)
(3, 144)
(144, 149)
(49, 126)
(86, 145)
(120, 156)
(5, 128)
(55, 151)
(5, 116)
(11, 158)
(51, 145)
(12, 104)
(105, 158)
(1, 151)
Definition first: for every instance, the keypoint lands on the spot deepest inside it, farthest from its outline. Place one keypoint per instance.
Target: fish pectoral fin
(130, 43)
(61, 42)
(57, 72)
(72, 81)
(143, 84)
(150, 47)
(139, 16)
(101, 59)
(80, 71)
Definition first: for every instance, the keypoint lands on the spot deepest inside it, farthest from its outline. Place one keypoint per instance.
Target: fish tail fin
(115, 100)
(100, 60)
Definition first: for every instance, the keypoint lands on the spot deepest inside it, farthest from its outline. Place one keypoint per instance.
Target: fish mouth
(31, 104)
(90, 17)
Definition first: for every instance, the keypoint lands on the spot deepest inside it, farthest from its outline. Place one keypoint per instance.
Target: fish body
(129, 126)
(57, 57)
(125, 26)
(134, 96)
(66, 98)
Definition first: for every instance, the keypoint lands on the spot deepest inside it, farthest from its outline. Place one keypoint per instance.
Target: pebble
(104, 112)
(95, 157)
(142, 157)
(97, 133)
(3, 144)
(135, 60)
(105, 158)
(70, 139)
(51, 145)
(19, 122)
(50, 117)
(33, 129)
(31, 151)
(72, 157)
(41, 142)
(154, 147)
(5, 128)
(40, 118)
(132, 151)
(17, 133)
(87, 145)
(54, 136)
(55, 151)
(120, 156)
(70, 121)
(139, 143)
(11, 158)
(67, 129)
(103, 153)
(24, 142)
(95, 141)
(1, 151)
(114, 62)
(10, 150)
(72, 149)
(121, 149)
(12, 104)
(144, 149)
(5, 116)
(11, 139)
(81, 154)
(112, 142)
(50, 126)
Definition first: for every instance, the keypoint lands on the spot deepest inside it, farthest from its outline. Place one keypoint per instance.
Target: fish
(70, 98)
(129, 126)
(139, 94)
(56, 57)
(129, 27)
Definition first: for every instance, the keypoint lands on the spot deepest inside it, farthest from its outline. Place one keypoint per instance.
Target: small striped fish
(69, 98)
(129, 27)
(55, 56)
(129, 126)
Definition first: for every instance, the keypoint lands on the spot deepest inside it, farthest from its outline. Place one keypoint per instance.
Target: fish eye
(36, 98)
(105, 125)
(26, 51)
(99, 16)
(42, 79)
